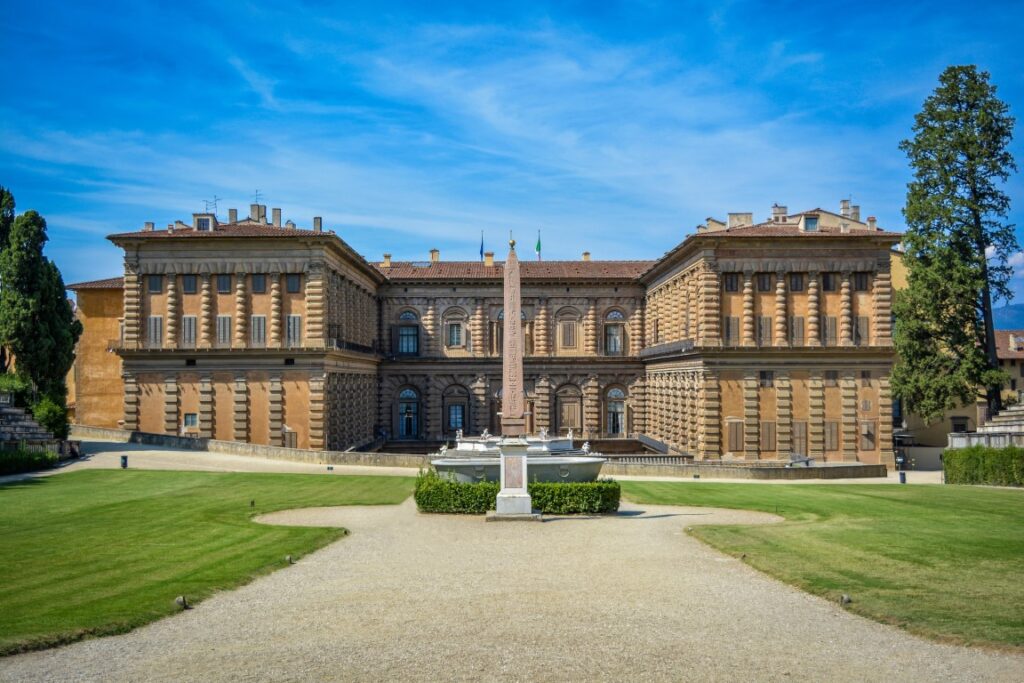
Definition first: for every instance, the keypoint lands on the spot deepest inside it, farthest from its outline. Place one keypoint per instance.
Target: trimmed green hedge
(983, 465)
(19, 460)
(438, 494)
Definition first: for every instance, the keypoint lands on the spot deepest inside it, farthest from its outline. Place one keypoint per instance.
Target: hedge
(984, 465)
(434, 493)
(20, 460)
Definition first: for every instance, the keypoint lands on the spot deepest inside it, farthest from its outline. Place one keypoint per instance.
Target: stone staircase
(17, 427)
(1006, 428)
(1009, 420)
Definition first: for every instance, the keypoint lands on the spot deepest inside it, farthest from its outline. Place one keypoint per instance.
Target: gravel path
(432, 597)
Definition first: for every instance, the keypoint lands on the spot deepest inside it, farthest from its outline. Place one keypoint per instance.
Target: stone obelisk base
(513, 500)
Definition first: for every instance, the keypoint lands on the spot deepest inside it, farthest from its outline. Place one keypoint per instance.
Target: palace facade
(748, 340)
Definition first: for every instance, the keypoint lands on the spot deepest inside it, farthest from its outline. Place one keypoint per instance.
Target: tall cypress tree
(956, 246)
(6, 223)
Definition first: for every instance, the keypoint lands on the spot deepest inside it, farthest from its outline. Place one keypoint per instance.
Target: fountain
(516, 458)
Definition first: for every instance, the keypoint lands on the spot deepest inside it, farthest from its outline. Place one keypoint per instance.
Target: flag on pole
(481, 245)
(537, 248)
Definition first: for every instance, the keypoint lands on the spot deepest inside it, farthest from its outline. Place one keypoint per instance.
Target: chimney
(872, 223)
(855, 212)
(844, 208)
(318, 224)
(232, 215)
(435, 256)
(488, 258)
(737, 220)
(387, 261)
(254, 212)
(170, 228)
(586, 256)
(778, 213)
(290, 224)
(263, 213)
(277, 217)
(148, 227)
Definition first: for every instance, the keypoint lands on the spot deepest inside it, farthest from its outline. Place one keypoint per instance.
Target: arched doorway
(615, 412)
(455, 404)
(408, 414)
(569, 410)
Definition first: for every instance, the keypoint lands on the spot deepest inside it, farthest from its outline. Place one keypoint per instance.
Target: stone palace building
(749, 340)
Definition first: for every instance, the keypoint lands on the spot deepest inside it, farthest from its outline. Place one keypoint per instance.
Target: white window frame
(155, 331)
(258, 331)
(293, 331)
(223, 330)
(188, 331)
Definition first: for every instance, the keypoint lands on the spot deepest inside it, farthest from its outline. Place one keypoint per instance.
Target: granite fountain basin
(545, 468)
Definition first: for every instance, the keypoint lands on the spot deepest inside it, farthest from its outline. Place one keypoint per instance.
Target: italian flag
(537, 248)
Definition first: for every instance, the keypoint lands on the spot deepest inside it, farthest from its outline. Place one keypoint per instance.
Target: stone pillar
(781, 321)
(784, 415)
(638, 405)
(813, 315)
(748, 309)
(711, 418)
(885, 448)
(590, 329)
(131, 402)
(751, 416)
(275, 400)
(315, 333)
(674, 319)
(480, 413)
(432, 423)
(241, 312)
(636, 329)
(172, 312)
(241, 409)
(317, 412)
(592, 408)
(206, 407)
(275, 315)
(881, 294)
(430, 335)
(170, 405)
(542, 329)
(132, 307)
(205, 312)
(684, 307)
(693, 416)
(816, 416)
(476, 329)
(710, 309)
(848, 399)
(693, 306)
(845, 312)
(542, 406)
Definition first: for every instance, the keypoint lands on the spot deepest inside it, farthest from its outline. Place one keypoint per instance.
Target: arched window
(456, 408)
(405, 336)
(456, 333)
(615, 412)
(614, 333)
(408, 315)
(568, 409)
(407, 414)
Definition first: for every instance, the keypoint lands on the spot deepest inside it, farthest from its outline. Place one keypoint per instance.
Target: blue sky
(610, 127)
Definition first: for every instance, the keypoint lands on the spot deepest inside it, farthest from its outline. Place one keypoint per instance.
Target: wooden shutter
(831, 436)
(735, 436)
(799, 438)
(863, 330)
(767, 436)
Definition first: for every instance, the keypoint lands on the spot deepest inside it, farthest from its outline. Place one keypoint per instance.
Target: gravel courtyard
(429, 597)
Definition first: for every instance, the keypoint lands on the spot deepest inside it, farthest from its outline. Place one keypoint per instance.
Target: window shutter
(394, 340)
(862, 330)
(419, 340)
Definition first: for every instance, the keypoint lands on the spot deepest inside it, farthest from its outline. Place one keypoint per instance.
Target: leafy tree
(6, 223)
(36, 320)
(956, 246)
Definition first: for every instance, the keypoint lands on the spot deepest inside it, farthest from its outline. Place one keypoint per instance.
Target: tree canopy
(956, 246)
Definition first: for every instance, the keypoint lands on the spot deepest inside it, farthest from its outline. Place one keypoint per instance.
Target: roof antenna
(257, 197)
(212, 203)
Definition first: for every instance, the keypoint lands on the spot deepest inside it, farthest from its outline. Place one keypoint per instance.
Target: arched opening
(407, 414)
(568, 409)
(405, 336)
(615, 333)
(615, 413)
(455, 328)
(455, 404)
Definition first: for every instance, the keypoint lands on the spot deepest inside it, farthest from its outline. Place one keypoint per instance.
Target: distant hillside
(1009, 317)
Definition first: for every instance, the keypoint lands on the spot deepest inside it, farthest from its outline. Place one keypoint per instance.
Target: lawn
(103, 551)
(945, 562)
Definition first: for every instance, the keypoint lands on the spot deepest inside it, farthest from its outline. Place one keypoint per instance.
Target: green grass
(97, 552)
(945, 562)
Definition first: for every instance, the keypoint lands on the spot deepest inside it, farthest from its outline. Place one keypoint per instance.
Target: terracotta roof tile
(529, 270)
(1004, 347)
(109, 283)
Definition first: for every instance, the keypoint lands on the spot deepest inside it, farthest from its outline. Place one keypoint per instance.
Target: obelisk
(513, 499)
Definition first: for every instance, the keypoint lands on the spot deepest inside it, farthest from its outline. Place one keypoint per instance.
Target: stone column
(885, 448)
(430, 336)
(172, 312)
(131, 402)
(476, 328)
(751, 416)
(813, 316)
(275, 316)
(693, 416)
(711, 425)
(693, 306)
(432, 425)
(881, 294)
(590, 329)
(638, 403)
(206, 407)
(710, 309)
(781, 321)
(848, 400)
(784, 415)
(748, 309)
(315, 336)
(542, 406)
(241, 312)
(317, 412)
(674, 322)
(592, 408)
(636, 329)
(684, 307)
(241, 409)
(205, 312)
(132, 307)
(170, 405)
(816, 416)
(480, 413)
(542, 329)
(275, 400)
(845, 312)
